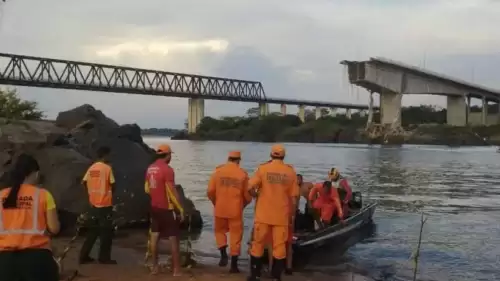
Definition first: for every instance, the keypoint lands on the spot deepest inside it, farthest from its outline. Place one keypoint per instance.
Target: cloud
(293, 47)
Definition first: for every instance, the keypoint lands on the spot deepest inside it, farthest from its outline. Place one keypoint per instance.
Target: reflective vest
(98, 185)
(24, 227)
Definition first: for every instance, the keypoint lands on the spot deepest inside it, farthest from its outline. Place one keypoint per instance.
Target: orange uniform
(24, 227)
(276, 184)
(227, 190)
(327, 202)
(99, 178)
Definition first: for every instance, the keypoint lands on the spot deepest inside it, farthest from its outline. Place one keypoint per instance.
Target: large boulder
(66, 148)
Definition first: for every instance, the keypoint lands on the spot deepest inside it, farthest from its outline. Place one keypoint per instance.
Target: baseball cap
(163, 149)
(234, 154)
(278, 150)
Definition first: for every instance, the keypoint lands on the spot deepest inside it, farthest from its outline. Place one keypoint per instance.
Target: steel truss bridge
(20, 70)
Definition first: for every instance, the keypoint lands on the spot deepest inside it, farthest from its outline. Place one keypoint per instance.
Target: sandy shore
(129, 252)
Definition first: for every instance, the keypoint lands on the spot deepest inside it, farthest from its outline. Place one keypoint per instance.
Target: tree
(253, 112)
(13, 107)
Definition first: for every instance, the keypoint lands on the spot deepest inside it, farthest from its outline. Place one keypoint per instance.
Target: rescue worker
(275, 185)
(306, 220)
(28, 217)
(99, 180)
(228, 192)
(325, 199)
(289, 248)
(166, 210)
(343, 188)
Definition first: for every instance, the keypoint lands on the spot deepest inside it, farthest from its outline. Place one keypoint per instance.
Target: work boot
(234, 265)
(278, 267)
(255, 268)
(288, 271)
(223, 256)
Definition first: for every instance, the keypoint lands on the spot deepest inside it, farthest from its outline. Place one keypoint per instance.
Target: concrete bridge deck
(392, 79)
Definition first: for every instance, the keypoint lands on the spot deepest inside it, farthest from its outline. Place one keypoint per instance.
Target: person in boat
(28, 218)
(227, 190)
(343, 188)
(307, 219)
(275, 185)
(324, 198)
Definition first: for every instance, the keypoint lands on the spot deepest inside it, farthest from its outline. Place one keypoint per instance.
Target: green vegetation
(13, 107)
(424, 124)
(160, 132)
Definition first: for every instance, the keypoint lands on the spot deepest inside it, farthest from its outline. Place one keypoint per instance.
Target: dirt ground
(129, 252)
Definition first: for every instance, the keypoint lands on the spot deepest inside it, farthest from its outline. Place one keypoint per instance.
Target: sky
(293, 47)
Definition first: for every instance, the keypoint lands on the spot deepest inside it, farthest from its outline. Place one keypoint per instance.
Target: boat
(359, 216)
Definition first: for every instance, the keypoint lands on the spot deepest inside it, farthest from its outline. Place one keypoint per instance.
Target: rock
(66, 148)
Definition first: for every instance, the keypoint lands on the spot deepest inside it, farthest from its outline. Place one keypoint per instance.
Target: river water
(458, 189)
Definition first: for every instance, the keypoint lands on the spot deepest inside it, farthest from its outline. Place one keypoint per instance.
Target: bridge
(41, 72)
(393, 79)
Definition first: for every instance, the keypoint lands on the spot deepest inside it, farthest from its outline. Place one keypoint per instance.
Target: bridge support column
(318, 112)
(348, 113)
(196, 112)
(390, 108)
(263, 109)
(302, 113)
(370, 111)
(456, 111)
(333, 111)
(484, 112)
(283, 109)
(362, 113)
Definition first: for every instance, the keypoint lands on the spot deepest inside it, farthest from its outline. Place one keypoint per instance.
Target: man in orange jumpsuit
(275, 186)
(326, 199)
(227, 190)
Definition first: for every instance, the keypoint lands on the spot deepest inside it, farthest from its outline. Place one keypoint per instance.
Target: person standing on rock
(227, 190)
(165, 202)
(275, 185)
(99, 180)
(28, 217)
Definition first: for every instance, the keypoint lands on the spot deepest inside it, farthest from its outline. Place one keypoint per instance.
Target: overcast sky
(293, 47)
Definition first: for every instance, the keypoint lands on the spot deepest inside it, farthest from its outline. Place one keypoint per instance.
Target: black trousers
(28, 265)
(100, 226)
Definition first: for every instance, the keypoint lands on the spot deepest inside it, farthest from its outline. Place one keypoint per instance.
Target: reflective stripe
(34, 212)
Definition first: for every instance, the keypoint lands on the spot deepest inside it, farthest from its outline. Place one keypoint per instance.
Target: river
(457, 188)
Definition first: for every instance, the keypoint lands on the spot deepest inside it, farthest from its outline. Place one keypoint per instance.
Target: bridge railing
(63, 74)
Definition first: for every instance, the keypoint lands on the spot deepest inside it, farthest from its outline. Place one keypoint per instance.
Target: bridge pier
(484, 112)
(318, 112)
(362, 113)
(348, 113)
(456, 111)
(196, 112)
(302, 113)
(283, 109)
(390, 108)
(333, 111)
(263, 109)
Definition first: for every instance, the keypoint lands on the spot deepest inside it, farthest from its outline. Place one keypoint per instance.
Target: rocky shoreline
(65, 149)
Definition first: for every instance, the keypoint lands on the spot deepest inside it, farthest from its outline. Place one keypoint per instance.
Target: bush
(12, 107)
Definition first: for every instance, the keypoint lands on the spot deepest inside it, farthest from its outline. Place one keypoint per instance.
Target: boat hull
(352, 224)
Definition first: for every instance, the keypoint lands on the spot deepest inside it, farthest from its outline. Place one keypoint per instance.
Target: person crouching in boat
(326, 200)
(227, 190)
(343, 188)
(28, 217)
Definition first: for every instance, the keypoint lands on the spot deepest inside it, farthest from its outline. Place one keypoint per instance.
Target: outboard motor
(356, 201)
